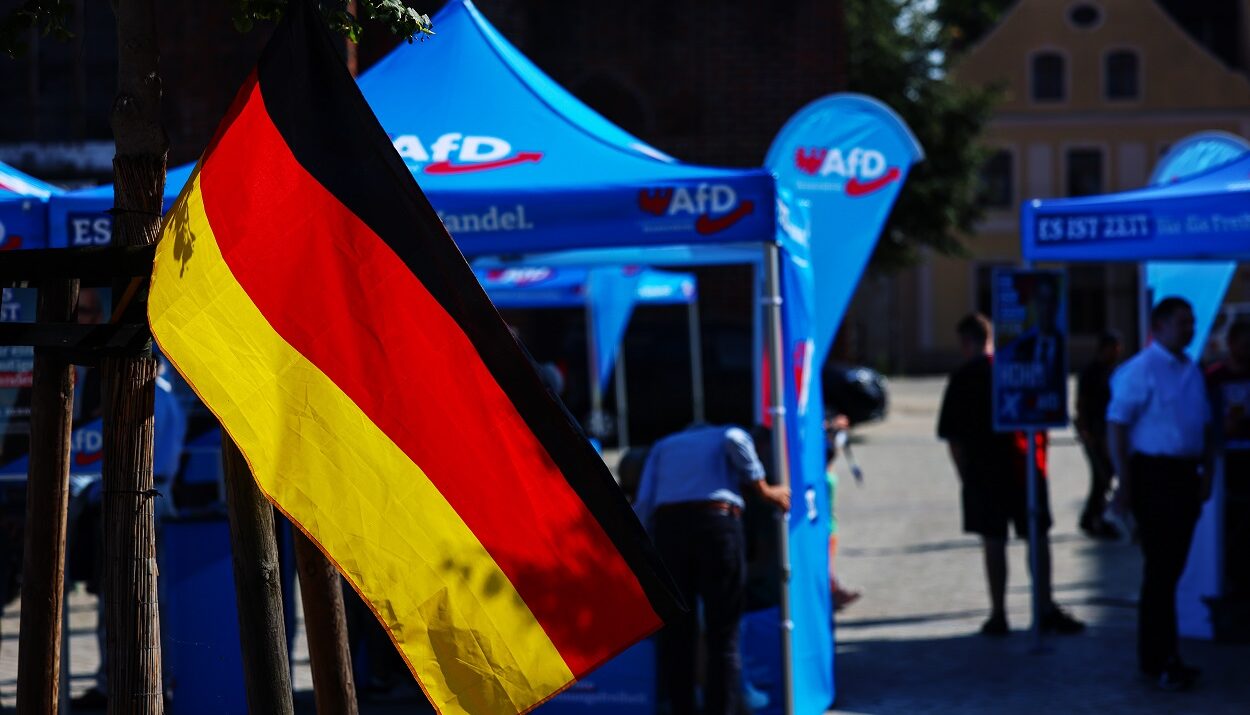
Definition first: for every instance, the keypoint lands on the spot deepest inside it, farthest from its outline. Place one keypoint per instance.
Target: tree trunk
(132, 620)
(326, 627)
(257, 587)
(47, 500)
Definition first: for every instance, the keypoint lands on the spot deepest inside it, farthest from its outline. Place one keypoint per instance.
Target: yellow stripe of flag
(337, 477)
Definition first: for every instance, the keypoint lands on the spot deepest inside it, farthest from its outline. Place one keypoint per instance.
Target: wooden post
(132, 621)
(326, 626)
(47, 501)
(131, 616)
(258, 588)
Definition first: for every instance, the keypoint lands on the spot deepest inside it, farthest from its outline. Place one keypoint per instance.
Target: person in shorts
(992, 469)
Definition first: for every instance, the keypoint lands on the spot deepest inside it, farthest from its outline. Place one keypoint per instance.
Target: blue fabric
(846, 156)
(81, 218)
(1206, 216)
(840, 163)
(1203, 284)
(512, 161)
(169, 430)
(702, 463)
(23, 214)
(613, 293)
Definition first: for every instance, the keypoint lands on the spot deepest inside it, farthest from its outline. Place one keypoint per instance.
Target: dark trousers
(1101, 472)
(704, 551)
(1167, 499)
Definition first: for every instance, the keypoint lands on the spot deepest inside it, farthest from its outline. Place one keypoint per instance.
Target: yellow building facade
(1094, 94)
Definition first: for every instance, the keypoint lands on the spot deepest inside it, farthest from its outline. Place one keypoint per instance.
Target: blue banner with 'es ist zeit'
(1030, 349)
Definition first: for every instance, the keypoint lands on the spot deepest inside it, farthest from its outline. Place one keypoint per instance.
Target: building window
(1048, 78)
(1085, 16)
(1084, 172)
(1121, 75)
(996, 187)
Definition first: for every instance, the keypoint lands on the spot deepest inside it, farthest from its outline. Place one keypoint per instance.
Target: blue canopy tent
(23, 218)
(608, 295)
(523, 173)
(1195, 221)
(517, 167)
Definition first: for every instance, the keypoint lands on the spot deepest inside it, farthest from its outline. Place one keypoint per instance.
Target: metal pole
(622, 401)
(1034, 531)
(696, 360)
(781, 462)
(757, 350)
(592, 371)
(1144, 304)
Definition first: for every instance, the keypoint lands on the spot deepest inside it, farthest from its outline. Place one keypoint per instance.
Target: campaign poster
(1030, 349)
(17, 364)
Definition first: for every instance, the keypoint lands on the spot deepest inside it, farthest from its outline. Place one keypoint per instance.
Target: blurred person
(837, 427)
(992, 472)
(1093, 393)
(690, 499)
(1228, 384)
(1157, 419)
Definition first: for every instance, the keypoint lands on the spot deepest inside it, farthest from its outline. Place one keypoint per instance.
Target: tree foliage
(49, 17)
(899, 52)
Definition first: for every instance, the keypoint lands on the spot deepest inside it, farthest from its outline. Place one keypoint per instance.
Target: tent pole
(696, 361)
(595, 428)
(781, 461)
(1144, 304)
(622, 401)
(757, 352)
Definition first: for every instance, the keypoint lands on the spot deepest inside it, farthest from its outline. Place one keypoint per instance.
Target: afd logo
(865, 171)
(519, 276)
(88, 445)
(456, 153)
(7, 242)
(715, 207)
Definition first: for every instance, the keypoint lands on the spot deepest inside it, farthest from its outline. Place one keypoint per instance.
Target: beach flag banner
(309, 294)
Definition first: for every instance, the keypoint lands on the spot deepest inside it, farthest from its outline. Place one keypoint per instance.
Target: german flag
(309, 294)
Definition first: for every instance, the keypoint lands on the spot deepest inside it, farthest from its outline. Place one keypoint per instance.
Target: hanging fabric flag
(307, 291)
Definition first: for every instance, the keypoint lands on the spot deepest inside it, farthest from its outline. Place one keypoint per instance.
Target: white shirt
(1162, 399)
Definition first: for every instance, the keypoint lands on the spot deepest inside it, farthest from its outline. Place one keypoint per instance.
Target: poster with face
(1030, 349)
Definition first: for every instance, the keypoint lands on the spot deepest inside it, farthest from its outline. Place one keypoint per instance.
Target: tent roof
(1202, 217)
(14, 183)
(482, 127)
(512, 162)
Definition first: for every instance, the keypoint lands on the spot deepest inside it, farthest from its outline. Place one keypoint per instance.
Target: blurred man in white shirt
(1158, 421)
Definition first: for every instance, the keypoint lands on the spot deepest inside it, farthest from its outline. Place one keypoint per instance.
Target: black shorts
(991, 504)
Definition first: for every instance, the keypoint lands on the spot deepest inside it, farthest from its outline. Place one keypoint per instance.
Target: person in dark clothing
(1093, 393)
(991, 467)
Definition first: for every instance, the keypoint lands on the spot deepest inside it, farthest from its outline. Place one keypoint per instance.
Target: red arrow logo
(83, 459)
(855, 187)
(705, 224)
(446, 167)
(10, 243)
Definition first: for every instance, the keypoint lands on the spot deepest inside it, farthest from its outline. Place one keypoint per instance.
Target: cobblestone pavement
(910, 645)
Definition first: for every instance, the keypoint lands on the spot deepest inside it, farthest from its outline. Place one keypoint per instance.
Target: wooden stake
(258, 588)
(326, 626)
(47, 501)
